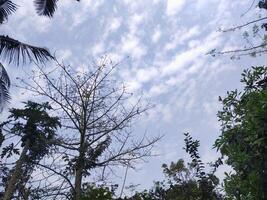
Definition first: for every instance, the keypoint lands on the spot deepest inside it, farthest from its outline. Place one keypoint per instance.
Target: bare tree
(96, 115)
(254, 35)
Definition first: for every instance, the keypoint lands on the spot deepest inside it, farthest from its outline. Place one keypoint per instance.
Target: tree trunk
(80, 161)
(264, 177)
(264, 164)
(79, 171)
(78, 183)
(11, 184)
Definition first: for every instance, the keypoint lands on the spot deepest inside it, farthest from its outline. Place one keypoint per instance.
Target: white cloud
(87, 8)
(174, 6)
(26, 10)
(161, 111)
(187, 57)
(135, 21)
(111, 27)
(133, 86)
(98, 49)
(133, 5)
(180, 61)
(64, 54)
(156, 1)
(146, 74)
(158, 89)
(130, 43)
(115, 24)
(181, 37)
(156, 35)
(132, 46)
(115, 57)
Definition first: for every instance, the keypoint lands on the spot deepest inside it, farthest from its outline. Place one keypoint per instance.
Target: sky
(163, 45)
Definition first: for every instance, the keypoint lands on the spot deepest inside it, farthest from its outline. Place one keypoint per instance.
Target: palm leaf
(4, 76)
(46, 7)
(4, 87)
(14, 51)
(6, 8)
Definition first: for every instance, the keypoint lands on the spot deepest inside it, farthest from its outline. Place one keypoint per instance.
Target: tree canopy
(243, 140)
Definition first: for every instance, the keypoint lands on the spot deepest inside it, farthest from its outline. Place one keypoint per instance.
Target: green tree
(184, 182)
(243, 140)
(36, 130)
(98, 192)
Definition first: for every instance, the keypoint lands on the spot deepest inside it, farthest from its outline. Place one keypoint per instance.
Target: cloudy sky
(166, 42)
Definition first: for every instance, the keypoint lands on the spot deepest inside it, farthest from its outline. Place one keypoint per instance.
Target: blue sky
(166, 42)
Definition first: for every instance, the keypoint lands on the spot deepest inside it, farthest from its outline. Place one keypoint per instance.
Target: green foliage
(32, 124)
(9, 150)
(4, 85)
(2, 138)
(184, 182)
(244, 136)
(95, 192)
(35, 130)
(7, 7)
(35, 125)
(207, 182)
(176, 171)
(145, 195)
(93, 154)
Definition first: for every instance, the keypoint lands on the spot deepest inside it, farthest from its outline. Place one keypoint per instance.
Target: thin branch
(241, 26)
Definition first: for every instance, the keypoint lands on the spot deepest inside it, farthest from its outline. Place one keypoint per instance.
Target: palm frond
(46, 7)
(4, 76)
(4, 87)
(15, 51)
(6, 8)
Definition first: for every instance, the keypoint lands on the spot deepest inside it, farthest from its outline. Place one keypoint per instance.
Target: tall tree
(243, 140)
(36, 129)
(97, 114)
